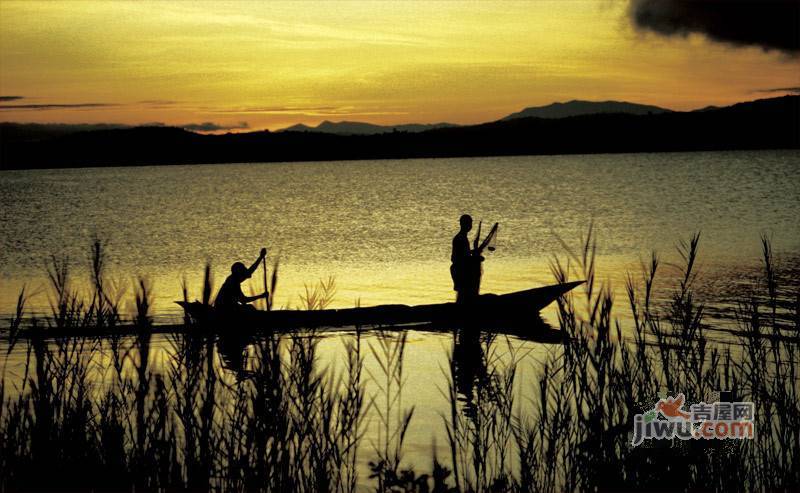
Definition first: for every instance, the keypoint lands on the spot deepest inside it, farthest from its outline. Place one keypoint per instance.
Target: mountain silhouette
(579, 108)
(763, 124)
(360, 128)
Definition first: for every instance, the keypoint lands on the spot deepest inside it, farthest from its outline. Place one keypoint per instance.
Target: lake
(383, 230)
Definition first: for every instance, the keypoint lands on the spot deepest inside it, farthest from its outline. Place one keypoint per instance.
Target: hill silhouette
(553, 110)
(19, 132)
(361, 128)
(762, 124)
(579, 108)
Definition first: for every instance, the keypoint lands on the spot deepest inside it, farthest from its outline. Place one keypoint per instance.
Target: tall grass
(392, 418)
(118, 423)
(319, 296)
(478, 436)
(99, 413)
(70, 309)
(602, 379)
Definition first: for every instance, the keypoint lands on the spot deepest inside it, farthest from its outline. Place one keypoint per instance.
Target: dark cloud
(213, 127)
(795, 90)
(35, 107)
(770, 24)
(10, 98)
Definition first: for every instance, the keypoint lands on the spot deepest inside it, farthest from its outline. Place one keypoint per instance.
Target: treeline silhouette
(763, 124)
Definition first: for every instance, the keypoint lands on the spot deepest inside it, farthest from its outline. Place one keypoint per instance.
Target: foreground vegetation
(104, 414)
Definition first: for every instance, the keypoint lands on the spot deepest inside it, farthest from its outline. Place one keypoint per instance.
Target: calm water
(383, 228)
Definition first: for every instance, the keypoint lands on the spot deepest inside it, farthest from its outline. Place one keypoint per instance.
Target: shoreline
(759, 125)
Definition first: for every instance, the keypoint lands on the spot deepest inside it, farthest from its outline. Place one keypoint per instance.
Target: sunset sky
(270, 65)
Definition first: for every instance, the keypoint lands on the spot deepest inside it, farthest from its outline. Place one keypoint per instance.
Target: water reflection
(233, 352)
(469, 362)
(473, 348)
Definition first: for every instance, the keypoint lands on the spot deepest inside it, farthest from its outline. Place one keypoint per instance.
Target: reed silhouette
(101, 412)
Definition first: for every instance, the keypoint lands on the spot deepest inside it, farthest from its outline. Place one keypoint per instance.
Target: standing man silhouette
(466, 264)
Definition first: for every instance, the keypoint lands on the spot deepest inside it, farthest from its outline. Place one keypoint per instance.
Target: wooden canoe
(517, 309)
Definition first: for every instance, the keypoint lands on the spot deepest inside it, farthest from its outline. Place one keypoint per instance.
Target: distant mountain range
(12, 132)
(764, 124)
(360, 128)
(554, 110)
(580, 108)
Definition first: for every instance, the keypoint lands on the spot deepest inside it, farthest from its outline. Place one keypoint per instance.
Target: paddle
(477, 236)
(273, 283)
(493, 239)
(490, 239)
(478, 249)
(264, 264)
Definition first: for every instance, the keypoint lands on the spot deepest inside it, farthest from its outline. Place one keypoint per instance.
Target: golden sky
(271, 64)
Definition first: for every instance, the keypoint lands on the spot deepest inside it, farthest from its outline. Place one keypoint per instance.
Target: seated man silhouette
(230, 295)
(466, 264)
